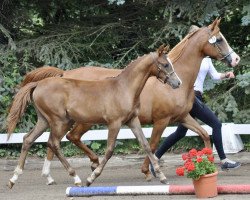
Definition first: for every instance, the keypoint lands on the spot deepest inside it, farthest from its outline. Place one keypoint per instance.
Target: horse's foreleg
(113, 130)
(46, 167)
(158, 129)
(75, 136)
(58, 130)
(28, 140)
(190, 123)
(135, 126)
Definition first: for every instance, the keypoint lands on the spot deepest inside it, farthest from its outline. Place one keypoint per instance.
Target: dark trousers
(203, 113)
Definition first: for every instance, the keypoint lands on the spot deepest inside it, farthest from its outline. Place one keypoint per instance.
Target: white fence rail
(230, 133)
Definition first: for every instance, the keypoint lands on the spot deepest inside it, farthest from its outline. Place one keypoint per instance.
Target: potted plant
(199, 165)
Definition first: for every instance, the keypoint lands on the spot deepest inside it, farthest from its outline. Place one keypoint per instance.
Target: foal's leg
(75, 136)
(135, 126)
(58, 130)
(28, 140)
(157, 132)
(113, 130)
(190, 123)
(46, 167)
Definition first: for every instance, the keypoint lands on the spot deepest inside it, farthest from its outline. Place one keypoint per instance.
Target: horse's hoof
(51, 183)
(148, 177)
(10, 184)
(165, 181)
(88, 183)
(78, 184)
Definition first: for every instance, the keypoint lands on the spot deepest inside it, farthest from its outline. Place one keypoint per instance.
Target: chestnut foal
(61, 102)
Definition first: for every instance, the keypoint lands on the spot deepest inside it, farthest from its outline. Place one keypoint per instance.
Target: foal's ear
(166, 49)
(160, 50)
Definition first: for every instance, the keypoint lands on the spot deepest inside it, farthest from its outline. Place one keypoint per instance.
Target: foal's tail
(19, 104)
(40, 74)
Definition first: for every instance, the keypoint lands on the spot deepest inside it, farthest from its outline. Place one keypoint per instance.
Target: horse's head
(217, 46)
(165, 70)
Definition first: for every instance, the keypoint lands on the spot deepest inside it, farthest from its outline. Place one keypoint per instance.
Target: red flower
(197, 163)
(200, 153)
(207, 151)
(193, 152)
(210, 158)
(185, 156)
(189, 166)
(180, 171)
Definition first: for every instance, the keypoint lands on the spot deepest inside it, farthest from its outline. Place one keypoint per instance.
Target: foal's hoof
(10, 184)
(88, 183)
(148, 177)
(165, 181)
(78, 184)
(51, 183)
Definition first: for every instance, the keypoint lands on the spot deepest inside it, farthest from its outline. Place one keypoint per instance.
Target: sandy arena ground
(120, 170)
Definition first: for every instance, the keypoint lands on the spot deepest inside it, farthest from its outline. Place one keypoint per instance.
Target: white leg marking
(46, 168)
(18, 171)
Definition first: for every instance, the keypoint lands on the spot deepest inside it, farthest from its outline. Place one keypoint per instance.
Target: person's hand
(229, 75)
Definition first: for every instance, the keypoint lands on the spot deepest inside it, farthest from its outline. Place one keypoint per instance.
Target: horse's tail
(41, 73)
(19, 104)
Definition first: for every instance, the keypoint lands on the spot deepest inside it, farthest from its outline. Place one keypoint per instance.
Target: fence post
(232, 142)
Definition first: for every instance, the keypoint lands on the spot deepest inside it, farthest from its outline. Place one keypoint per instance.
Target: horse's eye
(219, 40)
(166, 65)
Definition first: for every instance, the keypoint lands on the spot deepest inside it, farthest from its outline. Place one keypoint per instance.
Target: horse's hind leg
(135, 126)
(190, 123)
(58, 130)
(75, 136)
(112, 135)
(28, 140)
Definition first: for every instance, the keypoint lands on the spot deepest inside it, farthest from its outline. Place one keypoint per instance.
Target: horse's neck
(134, 77)
(188, 66)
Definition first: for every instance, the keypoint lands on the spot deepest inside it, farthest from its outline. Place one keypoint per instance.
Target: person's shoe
(152, 170)
(229, 165)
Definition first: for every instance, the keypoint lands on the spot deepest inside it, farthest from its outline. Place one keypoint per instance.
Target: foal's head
(165, 70)
(217, 46)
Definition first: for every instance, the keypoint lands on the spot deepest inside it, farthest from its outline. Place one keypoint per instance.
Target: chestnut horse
(113, 101)
(164, 105)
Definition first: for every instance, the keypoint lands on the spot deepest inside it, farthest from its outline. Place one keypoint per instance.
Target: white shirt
(206, 67)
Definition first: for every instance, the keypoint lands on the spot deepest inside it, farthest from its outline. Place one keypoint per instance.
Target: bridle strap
(159, 64)
(218, 48)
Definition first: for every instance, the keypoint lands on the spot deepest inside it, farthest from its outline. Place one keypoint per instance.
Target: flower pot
(206, 186)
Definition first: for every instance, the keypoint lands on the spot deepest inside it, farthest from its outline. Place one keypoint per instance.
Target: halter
(213, 40)
(159, 65)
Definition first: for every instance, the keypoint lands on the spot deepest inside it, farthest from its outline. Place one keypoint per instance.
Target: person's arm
(218, 76)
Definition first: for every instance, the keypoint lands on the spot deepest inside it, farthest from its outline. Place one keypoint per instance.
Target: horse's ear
(214, 27)
(166, 49)
(160, 50)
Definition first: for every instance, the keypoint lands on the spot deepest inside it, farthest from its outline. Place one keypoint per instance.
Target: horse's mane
(177, 51)
(132, 63)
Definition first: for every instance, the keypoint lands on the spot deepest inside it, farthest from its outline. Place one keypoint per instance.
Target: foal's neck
(133, 78)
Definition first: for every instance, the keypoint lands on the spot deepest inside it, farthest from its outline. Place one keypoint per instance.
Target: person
(203, 113)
